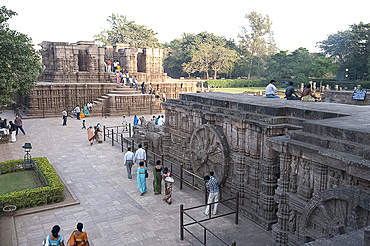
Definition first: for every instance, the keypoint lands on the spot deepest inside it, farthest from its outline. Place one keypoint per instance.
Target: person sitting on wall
(290, 93)
(271, 90)
(307, 95)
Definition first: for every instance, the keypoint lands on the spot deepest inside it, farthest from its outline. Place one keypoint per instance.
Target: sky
(295, 23)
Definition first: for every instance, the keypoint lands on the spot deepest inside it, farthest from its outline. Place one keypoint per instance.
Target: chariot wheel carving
(209, 152)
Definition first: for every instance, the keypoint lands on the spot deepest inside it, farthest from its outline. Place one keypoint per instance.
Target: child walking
(83, 125)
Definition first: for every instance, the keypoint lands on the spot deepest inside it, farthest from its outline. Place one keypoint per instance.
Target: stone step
(339, 129)
(123, 92)
(105, 97)
(335, 144)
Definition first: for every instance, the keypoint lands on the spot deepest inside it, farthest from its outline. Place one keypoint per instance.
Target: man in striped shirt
(212, 186)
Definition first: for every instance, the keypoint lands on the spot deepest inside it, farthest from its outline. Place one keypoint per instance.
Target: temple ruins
(75, 74)
(302, 169)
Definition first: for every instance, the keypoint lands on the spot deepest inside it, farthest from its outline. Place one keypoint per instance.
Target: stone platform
(302, 168)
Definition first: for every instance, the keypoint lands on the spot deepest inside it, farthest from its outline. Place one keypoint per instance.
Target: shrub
(225, 83)
(38, 196)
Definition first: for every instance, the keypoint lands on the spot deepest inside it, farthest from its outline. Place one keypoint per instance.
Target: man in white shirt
(77, 111)
(140, 155)
(161, 121)
(271, 90)
(124, 123)
(128, 161)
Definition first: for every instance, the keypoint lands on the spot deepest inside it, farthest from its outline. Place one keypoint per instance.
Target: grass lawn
(242, 89)
(18, 181)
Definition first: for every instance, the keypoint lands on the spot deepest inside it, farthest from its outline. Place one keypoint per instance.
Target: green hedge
(38, 196)
(225, 83)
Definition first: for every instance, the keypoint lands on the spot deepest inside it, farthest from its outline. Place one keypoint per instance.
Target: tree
(201, 59)
(179, 52)
(350, 49)
(124, 31)
(321, 67)
(20, 63)
(257, 44)
(222, 58)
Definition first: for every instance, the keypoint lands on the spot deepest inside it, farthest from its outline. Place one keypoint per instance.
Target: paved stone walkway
(110, 205)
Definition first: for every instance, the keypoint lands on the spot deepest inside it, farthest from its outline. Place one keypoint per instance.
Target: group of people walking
(78, 237)
(159, 173)
(95, 133)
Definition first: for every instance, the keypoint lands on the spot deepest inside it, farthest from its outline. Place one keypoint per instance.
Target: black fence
(115, 134)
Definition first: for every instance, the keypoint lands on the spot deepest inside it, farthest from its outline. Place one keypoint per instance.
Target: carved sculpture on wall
(209, 151)
(334, 212)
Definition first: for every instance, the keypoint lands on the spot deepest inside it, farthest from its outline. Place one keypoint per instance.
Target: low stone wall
(344, 97)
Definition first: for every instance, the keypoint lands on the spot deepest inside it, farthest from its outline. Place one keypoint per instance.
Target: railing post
(147, 157)
(162, 159)
(181, 175)
(205, 193)
(233, 243)
(181, 222)
(129, 111)
(133, 145)
(129, 129)
(112, 138)
(205, 234)
(237, 209)
(122, 142)
(104, 132)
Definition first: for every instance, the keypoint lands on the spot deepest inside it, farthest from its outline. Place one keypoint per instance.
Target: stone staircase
(125, 100)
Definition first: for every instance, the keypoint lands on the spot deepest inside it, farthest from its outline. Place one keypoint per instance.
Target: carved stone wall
(302, 169)
(82, 62)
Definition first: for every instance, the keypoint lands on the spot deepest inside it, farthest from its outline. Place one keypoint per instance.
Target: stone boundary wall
(344, 97)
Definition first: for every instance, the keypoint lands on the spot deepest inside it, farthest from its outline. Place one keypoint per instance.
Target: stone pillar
(320, 177)
(269, 169)
(281, 229)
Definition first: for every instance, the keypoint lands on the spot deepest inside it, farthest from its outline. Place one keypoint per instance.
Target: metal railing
(185, 176)
(205, 229)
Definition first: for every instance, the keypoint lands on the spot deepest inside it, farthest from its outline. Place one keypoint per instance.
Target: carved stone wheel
(209, 152)
(335, 212)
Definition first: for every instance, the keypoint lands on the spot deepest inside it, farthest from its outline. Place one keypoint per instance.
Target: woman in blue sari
(86, 111)
(141, 178)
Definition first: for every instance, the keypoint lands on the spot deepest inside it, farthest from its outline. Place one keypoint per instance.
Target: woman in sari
(307, 95)
(168, 180)
(157, 178)
(141, 178)
(54, 238)
(86, 111)
(78, 237)
(99, 133)
(90, 135)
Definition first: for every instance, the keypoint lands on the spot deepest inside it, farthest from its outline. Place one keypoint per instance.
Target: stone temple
(302, 169)
(75, 74)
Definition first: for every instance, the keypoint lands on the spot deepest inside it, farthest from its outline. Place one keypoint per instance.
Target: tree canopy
(20, 63)
(350, 49)
(124, 31)
(256, 42)
(197, 53)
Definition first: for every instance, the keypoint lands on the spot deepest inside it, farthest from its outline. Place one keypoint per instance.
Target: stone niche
(302, 169)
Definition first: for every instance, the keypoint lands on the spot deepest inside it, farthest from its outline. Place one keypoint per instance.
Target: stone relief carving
(335, 212)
